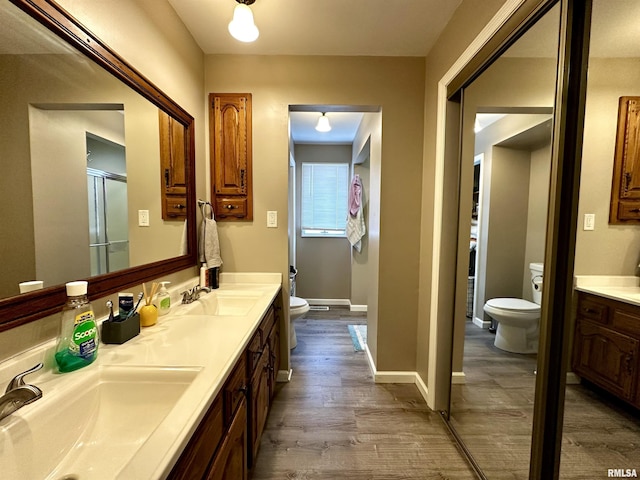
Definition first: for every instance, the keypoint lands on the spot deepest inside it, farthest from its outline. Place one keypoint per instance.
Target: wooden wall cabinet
(625, 187)
(173, 155)
(607, 345)
(231, 156)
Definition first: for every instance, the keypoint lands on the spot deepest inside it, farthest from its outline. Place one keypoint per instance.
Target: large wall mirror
(80, 151)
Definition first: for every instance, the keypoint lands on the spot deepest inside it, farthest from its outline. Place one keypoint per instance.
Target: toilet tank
(536, 281)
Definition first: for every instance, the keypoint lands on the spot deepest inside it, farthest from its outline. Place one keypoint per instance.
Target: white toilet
(298, 307)
(518, 320)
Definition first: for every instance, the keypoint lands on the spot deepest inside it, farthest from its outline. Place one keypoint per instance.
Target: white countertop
(622, 288)
(211, 344)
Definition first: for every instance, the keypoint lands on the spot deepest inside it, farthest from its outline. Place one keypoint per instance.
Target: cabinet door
(606, 358)
(274, 360)
(173, 168)
(625, 192)
(260, 399)
(231, 461)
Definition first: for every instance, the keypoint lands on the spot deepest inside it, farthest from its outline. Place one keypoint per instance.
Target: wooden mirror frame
(21, 309)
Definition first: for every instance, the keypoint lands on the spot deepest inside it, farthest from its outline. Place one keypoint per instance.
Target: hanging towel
(356, 229)
(355, 195)
(184, 244)
(209, 245)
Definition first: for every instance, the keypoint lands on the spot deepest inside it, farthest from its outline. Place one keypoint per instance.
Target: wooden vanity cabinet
(606, 345)
(225, 444)
(216, 445)
(261, 361)
(173, 155)
(231, 155)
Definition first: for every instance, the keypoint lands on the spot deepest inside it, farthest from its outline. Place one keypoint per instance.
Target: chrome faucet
(18, 394)
(191, 295)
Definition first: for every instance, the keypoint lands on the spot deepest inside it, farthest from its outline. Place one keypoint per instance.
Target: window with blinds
(324, 204)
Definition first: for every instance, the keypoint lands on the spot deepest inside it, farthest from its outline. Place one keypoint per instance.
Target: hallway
(331, 421)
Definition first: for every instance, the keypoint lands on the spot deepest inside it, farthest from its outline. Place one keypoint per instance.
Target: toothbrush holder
(117, 332)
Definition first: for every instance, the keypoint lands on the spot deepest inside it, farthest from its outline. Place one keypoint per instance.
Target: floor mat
(358, 336)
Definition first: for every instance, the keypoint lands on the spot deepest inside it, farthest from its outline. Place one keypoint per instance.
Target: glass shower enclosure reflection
(108, 207)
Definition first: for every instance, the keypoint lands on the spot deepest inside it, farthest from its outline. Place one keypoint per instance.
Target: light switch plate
(143, 218)
(589, 221)
(272, 219)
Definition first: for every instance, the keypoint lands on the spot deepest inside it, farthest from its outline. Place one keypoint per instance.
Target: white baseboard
(284, 376)
(357, 308)
(481, 323)
(458, 378)
(396, 377)
(329, 301)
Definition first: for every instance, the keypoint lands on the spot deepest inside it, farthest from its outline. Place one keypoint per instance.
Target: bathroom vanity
(187, 398)
(606, 348)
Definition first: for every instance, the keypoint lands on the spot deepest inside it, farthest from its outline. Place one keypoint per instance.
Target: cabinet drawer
(175, 207)
(196, 457)
(629, 210)
(626, 321)
(592, 309)
(235, 389)
(231, 207)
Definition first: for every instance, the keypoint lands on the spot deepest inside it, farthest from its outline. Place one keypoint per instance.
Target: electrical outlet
(272, 219)
(143, 218)
(589, 221)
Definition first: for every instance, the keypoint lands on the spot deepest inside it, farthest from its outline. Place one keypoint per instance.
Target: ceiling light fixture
(323, 124)
(242, 27)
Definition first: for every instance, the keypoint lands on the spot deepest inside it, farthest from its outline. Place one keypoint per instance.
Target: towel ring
(202, 205)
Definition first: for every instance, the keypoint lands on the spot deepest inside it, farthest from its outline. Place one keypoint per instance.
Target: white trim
(505, 12)
(357, 308)
(342, 302)
(481, 323)
(458, 378)
(396, 377)
(284, 376)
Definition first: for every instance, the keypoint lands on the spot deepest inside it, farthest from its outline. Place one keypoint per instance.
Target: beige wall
(397, 85)
(608, 249)
(324, 264)
(143, 32)
(362, 160)
(537, 218)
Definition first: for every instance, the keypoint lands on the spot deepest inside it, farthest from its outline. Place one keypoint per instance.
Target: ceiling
(321, 27)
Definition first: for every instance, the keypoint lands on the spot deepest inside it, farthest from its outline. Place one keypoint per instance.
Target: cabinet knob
(230, 207)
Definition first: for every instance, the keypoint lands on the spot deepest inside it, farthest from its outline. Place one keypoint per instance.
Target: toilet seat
(298, 304)
(514, 305)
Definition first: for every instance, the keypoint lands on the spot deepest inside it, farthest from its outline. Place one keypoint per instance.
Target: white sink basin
(223, 303)
(66, 433)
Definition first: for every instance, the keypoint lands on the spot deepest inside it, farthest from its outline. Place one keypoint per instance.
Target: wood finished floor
(493, 413)
(333, 422)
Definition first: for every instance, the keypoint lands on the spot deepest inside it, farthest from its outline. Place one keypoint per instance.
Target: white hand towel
(209, 248)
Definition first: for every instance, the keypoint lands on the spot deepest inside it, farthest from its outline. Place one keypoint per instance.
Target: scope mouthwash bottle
(78, 342)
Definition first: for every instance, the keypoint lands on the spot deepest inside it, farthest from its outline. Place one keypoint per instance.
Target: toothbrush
(133, 310)
(110, 307)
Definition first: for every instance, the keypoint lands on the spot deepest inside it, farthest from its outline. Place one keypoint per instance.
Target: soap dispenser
(78, 342)
(164, 299)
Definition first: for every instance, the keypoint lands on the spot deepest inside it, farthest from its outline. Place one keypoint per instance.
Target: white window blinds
(324, 202)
